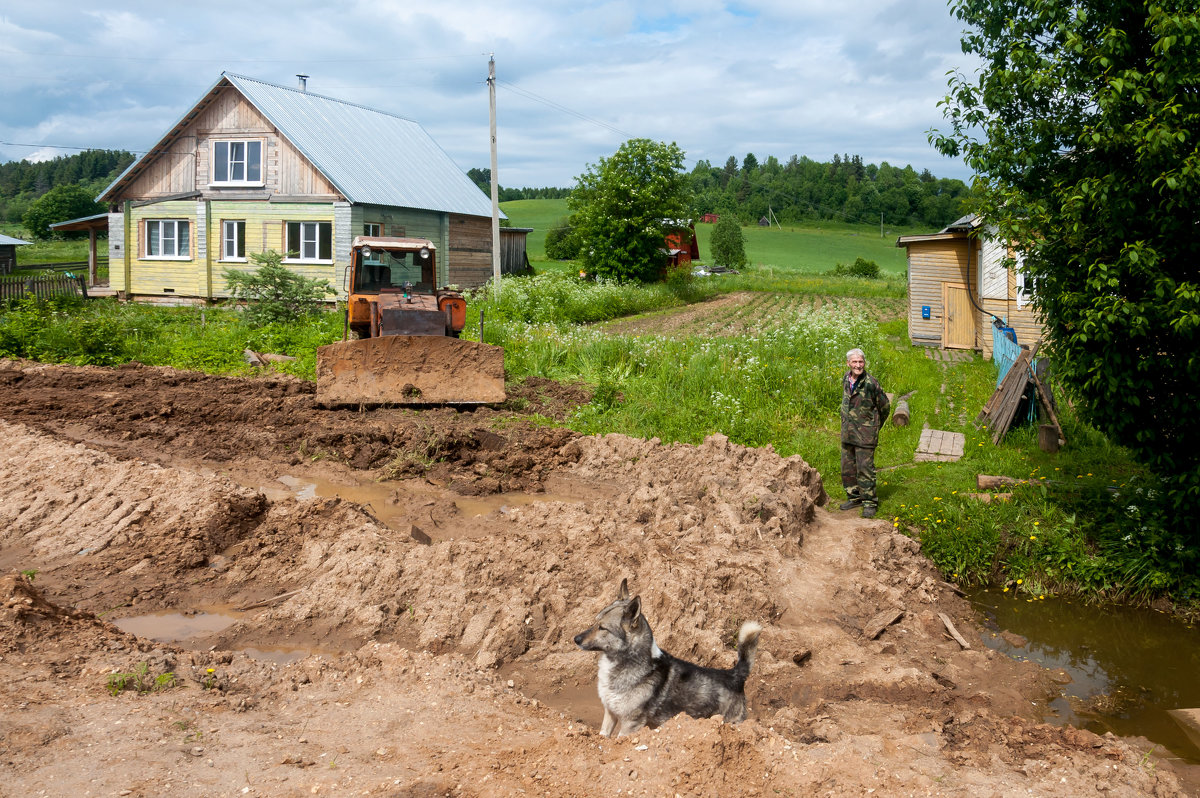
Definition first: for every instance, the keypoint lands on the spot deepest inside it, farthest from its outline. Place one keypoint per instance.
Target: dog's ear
(623, 593)
(633, 613)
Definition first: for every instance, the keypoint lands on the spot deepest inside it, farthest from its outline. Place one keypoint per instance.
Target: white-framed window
(372, 229)
(309, 241)
(168, 238)
(1024, 282)
(237, 162)
(233, 239)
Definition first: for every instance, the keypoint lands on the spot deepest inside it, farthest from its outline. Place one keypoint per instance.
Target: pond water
(1128, 666)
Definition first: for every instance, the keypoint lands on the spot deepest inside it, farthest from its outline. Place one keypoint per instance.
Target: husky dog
(642, 685)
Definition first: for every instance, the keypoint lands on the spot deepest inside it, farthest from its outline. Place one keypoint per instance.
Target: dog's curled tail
(747, 647)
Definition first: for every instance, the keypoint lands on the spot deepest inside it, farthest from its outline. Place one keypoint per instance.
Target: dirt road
(422, 645)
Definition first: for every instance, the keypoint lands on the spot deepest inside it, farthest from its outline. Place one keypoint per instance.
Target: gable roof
(10, 240)
(371, 157)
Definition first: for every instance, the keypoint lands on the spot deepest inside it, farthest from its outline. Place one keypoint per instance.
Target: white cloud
(773, 77)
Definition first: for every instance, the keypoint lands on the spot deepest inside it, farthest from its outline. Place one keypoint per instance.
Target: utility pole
(495, 178)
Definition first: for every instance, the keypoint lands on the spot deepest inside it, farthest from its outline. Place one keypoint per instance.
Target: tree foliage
(1084, 124)
(623, 207)
(22, 182)
(274, 293)
(561, 241)
(68, 201)
(727, 244)
(844, 190)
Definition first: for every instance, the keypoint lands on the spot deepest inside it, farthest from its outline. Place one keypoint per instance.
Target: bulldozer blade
(409, 370)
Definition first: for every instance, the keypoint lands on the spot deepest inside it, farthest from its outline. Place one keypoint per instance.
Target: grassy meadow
(762, 366)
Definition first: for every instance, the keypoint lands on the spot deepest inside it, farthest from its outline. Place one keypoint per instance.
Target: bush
(860, 268)
(274, 293)
(727, 244)
(561, 241)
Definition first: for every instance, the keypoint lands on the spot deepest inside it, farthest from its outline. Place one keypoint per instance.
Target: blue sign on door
(924, 311)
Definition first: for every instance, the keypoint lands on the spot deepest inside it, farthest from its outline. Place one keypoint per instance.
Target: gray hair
(856, 351)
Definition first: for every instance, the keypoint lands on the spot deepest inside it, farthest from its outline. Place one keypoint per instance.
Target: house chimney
(303, 82)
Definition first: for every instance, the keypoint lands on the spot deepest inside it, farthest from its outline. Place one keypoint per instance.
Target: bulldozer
(401, 340)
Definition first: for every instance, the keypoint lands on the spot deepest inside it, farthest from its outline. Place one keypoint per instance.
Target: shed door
(959, 329)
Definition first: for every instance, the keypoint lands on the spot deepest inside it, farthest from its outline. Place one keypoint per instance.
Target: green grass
(809, 249)
(540, 214)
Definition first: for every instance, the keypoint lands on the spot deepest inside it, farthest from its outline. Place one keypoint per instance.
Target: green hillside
(808, 249)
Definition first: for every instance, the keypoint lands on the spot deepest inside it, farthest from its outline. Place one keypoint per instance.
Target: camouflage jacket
(864, 409)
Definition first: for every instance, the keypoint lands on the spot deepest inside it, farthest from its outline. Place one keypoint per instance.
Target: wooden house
(8, 253)
(253, 167)
(710, 218)
(958, 286)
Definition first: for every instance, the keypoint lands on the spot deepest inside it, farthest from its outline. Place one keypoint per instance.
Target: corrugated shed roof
(372, 157)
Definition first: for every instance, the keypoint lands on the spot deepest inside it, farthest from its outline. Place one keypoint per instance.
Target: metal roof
(371, 157)
(10, 240)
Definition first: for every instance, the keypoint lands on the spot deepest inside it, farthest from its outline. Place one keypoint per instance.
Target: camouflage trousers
(858, 473)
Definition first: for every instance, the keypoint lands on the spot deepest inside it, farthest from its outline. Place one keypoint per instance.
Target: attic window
(237, 163)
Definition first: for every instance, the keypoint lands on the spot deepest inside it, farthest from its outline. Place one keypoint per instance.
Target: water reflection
(1128, 666)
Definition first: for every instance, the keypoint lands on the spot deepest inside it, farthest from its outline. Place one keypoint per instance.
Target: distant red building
(709, 218)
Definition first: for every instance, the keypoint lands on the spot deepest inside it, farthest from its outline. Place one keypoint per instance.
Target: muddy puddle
(399, 504)
(1128, 667)
(191, 627)
(577, 702)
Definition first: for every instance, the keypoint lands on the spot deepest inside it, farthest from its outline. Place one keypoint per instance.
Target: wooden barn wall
(188, 163)
(513, 256)
(1025, 321)
(930, 264)
(470, 259)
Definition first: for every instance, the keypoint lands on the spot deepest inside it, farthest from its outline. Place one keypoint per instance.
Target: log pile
(998, 414)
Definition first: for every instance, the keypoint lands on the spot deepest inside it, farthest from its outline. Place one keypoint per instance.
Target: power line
(556, 106)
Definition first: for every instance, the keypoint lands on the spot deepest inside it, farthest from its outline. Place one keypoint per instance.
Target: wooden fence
(69, 266)
(42, 287)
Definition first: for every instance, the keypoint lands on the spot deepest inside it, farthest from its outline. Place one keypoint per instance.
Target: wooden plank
(881, 621)
(1044, 396)
(953, 632)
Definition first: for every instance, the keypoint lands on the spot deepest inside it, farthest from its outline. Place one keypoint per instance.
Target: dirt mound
(423, 665)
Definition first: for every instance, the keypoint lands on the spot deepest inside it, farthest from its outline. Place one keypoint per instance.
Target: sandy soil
(427, 650)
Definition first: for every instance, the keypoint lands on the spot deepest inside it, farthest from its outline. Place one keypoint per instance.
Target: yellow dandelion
(212, 670)
(1033, 537)
(1035, 523)
(1020, 581)
(1006, 590)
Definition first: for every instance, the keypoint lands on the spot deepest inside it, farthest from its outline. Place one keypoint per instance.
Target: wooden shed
(681, 244)
(513, 257)
(958, 286)
(8, 253)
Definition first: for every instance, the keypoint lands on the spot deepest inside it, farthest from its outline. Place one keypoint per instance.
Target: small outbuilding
(958, 287)
(8, 253)
(682, 246)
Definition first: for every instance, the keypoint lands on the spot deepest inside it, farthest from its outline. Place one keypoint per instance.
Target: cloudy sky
(575, 79)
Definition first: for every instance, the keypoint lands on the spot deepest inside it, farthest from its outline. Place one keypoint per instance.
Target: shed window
(310, 241)
(237, 162)
(167, 238)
